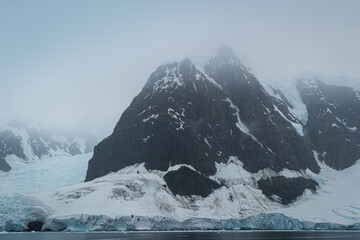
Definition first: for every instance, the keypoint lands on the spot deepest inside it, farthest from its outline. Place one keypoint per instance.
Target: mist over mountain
(198, 117)
(204, 139)
(62, 62)
(179, 115)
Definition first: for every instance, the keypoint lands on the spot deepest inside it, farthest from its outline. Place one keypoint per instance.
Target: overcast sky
(66, 64)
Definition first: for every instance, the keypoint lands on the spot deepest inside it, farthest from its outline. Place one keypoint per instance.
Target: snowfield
(17, 206)
(337, 199)
(52, 191)
(136, 191)
(43, 174)
(135, 198)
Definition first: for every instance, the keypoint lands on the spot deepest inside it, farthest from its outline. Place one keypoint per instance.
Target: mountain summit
(198, 118)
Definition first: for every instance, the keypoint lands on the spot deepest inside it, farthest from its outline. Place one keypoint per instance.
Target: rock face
(267, 118)
(26, 142)
(274, 187)
(333, 121)
(200, 117)
(9, 144)
(4, 166)
(187, 182)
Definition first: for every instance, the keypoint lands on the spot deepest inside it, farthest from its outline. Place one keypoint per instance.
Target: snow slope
(17, 206)
(337, 199)
(292, 95)
(43, 174)
(137, 191)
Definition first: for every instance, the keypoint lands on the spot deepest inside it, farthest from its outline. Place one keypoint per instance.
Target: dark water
(182, 235)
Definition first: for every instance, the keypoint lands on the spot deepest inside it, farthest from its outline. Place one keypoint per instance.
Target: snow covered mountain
(204, 117)
(21, 142)
(207, 146)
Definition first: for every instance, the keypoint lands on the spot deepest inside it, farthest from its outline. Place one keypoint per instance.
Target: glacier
(43, 174)
(135, 198)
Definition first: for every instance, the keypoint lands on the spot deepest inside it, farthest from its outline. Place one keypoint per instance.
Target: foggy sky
(66, 64)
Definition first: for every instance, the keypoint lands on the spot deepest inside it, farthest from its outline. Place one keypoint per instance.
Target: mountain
(21, 142)
(333, 121)
(341, 81)
(200, 117)
(207, 146)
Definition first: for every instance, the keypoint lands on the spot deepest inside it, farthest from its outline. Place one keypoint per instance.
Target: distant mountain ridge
(341, 81)
(27, 143)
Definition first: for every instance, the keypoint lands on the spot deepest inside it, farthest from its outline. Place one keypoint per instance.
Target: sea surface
(215, 235)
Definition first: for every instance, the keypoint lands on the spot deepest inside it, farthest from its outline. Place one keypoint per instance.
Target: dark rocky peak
(186, 115)
(333, 121)
(266, 116)
(226, 56)
(175, 76)
(227, 69)
(187, 123)
(166, 77)
(315, 91)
